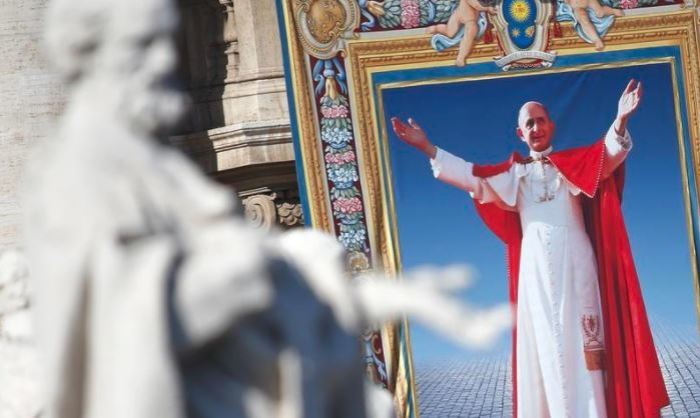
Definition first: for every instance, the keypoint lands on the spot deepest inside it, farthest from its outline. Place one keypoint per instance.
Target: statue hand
(412, 134)
(629, 101)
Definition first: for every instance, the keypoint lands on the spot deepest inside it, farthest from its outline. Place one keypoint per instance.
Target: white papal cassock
(559, 321)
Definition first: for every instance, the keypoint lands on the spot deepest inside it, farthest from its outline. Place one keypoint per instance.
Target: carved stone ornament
(323, 24)
(290, 214)
(261, 210)
(265, 210)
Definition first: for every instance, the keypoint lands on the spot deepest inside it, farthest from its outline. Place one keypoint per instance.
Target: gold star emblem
(520, 10)
(515, 32)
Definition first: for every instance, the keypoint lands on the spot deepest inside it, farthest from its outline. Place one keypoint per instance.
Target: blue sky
(476, 120)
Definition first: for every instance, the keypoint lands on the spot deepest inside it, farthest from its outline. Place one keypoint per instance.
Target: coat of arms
(522, 29)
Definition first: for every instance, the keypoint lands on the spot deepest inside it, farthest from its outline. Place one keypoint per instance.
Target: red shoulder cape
(634, 385)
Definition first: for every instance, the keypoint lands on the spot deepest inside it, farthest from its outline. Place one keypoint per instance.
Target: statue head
(121, 54)
(535, 127)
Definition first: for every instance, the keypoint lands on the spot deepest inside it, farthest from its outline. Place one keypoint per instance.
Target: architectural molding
(268, 210)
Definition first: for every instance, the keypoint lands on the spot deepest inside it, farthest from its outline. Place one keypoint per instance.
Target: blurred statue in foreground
(14, 299)
(153, 297)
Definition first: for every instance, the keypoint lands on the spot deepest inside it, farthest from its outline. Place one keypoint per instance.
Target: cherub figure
(466, 13)
(580, 7)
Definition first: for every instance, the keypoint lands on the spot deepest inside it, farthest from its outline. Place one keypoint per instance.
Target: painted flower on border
(334, 112)
(335, 137)
(340, 158)
(629, 4)
(354, 239)
(351, 205)
(410, 14)
(343, 176)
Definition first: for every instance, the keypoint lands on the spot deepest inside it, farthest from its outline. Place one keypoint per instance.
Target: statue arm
(223, 276)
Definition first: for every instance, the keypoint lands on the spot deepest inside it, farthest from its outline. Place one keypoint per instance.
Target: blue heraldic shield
(520, 16)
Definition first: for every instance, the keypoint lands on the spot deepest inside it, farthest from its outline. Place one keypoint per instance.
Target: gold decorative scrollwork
(325, 20)
(321, 25)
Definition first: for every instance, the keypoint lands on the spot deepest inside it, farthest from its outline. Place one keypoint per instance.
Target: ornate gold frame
(370, 54)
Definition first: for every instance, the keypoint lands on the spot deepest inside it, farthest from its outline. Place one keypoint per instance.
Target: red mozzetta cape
(634, 385)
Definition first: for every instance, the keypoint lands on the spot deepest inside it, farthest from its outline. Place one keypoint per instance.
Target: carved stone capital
(266, 209)
(261, 210)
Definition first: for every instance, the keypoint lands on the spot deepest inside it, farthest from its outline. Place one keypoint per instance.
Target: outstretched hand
(628, 104)
(413, 135)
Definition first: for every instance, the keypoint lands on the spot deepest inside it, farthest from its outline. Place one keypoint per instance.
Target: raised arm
(413, 135)
(446, 167)
(457, 172)
(618, 141)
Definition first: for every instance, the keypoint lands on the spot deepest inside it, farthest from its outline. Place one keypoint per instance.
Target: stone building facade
(238, 130)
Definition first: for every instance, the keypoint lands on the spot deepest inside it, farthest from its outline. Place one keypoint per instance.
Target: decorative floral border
(379, 15)
(382, 15)
(339, 151)
(340, 157)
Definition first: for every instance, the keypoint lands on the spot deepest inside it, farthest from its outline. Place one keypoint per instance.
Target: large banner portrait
(552, 147)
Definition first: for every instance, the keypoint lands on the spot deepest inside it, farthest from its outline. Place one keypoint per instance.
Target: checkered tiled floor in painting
(482, 388)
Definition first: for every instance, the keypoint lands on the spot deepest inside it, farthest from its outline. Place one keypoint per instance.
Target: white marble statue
(18, 366)
(14, 293)
(153, 297)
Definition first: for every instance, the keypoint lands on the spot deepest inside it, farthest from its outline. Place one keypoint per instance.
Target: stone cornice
(238, 145)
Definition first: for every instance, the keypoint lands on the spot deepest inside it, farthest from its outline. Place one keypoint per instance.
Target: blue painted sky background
(476, 120)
